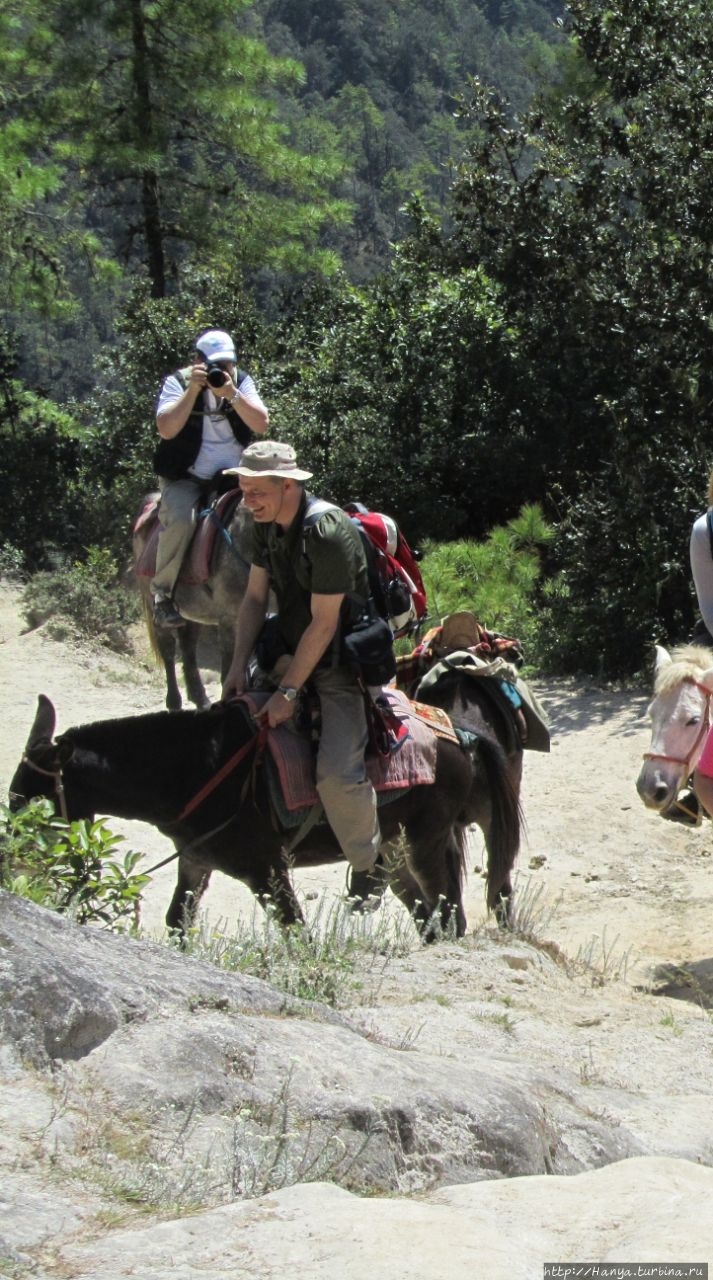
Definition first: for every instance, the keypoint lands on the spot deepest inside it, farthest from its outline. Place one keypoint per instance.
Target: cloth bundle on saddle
(462, 643)
(214, 513)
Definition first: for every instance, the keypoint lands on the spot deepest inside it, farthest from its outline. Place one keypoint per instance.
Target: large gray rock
(636, 1211)
(64, 990)
(130, 1074)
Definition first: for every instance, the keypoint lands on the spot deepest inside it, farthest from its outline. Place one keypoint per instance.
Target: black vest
(173, 458)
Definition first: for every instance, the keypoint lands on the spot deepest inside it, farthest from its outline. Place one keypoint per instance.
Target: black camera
(217, 377)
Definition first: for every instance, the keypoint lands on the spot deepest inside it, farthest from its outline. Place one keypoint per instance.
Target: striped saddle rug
(291, 762)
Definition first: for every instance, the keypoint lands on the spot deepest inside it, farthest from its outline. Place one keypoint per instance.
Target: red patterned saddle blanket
(412, 765)
(210, 525)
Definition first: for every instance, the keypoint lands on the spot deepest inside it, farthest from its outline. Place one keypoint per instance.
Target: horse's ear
(662, 659)
(707, 679)
(44, 724)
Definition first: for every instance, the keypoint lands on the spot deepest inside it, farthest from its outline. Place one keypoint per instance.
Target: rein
(256, 743)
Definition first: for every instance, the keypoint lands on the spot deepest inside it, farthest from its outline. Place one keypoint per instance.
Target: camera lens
(217, 377)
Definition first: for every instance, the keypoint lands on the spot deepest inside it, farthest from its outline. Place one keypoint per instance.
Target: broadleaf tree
(592, 217)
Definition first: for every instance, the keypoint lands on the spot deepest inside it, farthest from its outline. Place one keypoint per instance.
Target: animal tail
(502, 840)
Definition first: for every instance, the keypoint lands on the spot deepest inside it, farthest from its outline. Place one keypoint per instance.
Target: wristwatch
(287, 692)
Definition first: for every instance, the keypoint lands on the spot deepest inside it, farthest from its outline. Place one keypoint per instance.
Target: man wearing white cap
(318, 575)
(206, 415)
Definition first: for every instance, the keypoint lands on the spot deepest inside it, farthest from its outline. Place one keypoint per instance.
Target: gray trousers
(177, 517)
(345, 790)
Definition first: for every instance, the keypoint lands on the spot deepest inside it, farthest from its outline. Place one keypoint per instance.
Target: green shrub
(12, 562)
(496, 579)
(85, 594)
(69, 867)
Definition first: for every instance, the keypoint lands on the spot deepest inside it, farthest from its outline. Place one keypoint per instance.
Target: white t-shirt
(219, 448)
(702, 569)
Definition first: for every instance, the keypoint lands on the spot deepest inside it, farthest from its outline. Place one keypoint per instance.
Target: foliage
(546, 344)
(39, 449)
(86, 594)
(39, 229)
(69, 867)
(495, 579)
(592, 220)
(318, 963)
(166, 131)
(376, 387)
(387, 78)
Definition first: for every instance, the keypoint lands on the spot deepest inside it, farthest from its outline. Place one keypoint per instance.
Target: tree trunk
(150, 187)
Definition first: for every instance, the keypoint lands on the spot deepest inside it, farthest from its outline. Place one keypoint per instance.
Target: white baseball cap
(215, 344)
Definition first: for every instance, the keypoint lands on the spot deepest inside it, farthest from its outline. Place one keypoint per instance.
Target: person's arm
(251, 616)
(171, 419)
(702, 569)
(703, 787)
(313, 644)
(248, 405)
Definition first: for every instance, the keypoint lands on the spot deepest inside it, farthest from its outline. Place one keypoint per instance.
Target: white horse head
(680, 720)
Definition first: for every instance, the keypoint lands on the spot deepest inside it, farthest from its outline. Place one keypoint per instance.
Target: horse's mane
(688, 661)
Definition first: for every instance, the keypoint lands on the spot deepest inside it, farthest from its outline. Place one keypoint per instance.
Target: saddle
(291, 763)
(211, 523)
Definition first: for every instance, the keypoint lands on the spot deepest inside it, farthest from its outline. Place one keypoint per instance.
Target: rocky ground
(537, 1098)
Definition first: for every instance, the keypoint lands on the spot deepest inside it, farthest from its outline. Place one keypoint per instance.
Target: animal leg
(226, 640)
(188, 640)
(425, 877)
(274, 891)
(166, 645)
(190, 887)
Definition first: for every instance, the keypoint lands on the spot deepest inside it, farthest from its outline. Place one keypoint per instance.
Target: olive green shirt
(327, 559)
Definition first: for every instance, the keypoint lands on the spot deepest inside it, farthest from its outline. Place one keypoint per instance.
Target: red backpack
(391, 559)
(395, 581)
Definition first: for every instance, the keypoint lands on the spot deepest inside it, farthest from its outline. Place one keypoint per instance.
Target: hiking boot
(165, 613)
(365, 889)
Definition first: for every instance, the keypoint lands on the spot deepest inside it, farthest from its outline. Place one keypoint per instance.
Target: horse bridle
(256, 743)
(56, 775)
(685, 762)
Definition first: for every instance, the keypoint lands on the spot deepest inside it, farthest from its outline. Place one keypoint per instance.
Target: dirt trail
(615, 878)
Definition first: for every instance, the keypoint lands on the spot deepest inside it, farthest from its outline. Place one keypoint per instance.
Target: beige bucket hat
(269, 458)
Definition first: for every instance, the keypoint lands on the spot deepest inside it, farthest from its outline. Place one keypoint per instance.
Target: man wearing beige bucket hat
(317, 575)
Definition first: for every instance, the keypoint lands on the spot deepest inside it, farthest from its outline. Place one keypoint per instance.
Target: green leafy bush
(496, 579)
(86, 594)
(69, 867)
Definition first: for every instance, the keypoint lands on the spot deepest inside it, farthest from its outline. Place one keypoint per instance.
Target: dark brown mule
(150, 767)
(209, 592)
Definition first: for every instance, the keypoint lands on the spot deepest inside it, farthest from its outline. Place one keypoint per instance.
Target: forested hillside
(466, 249)
(387, 77)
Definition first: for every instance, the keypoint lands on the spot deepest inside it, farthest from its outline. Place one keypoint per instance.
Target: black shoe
(165, 613)
(365, 889)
